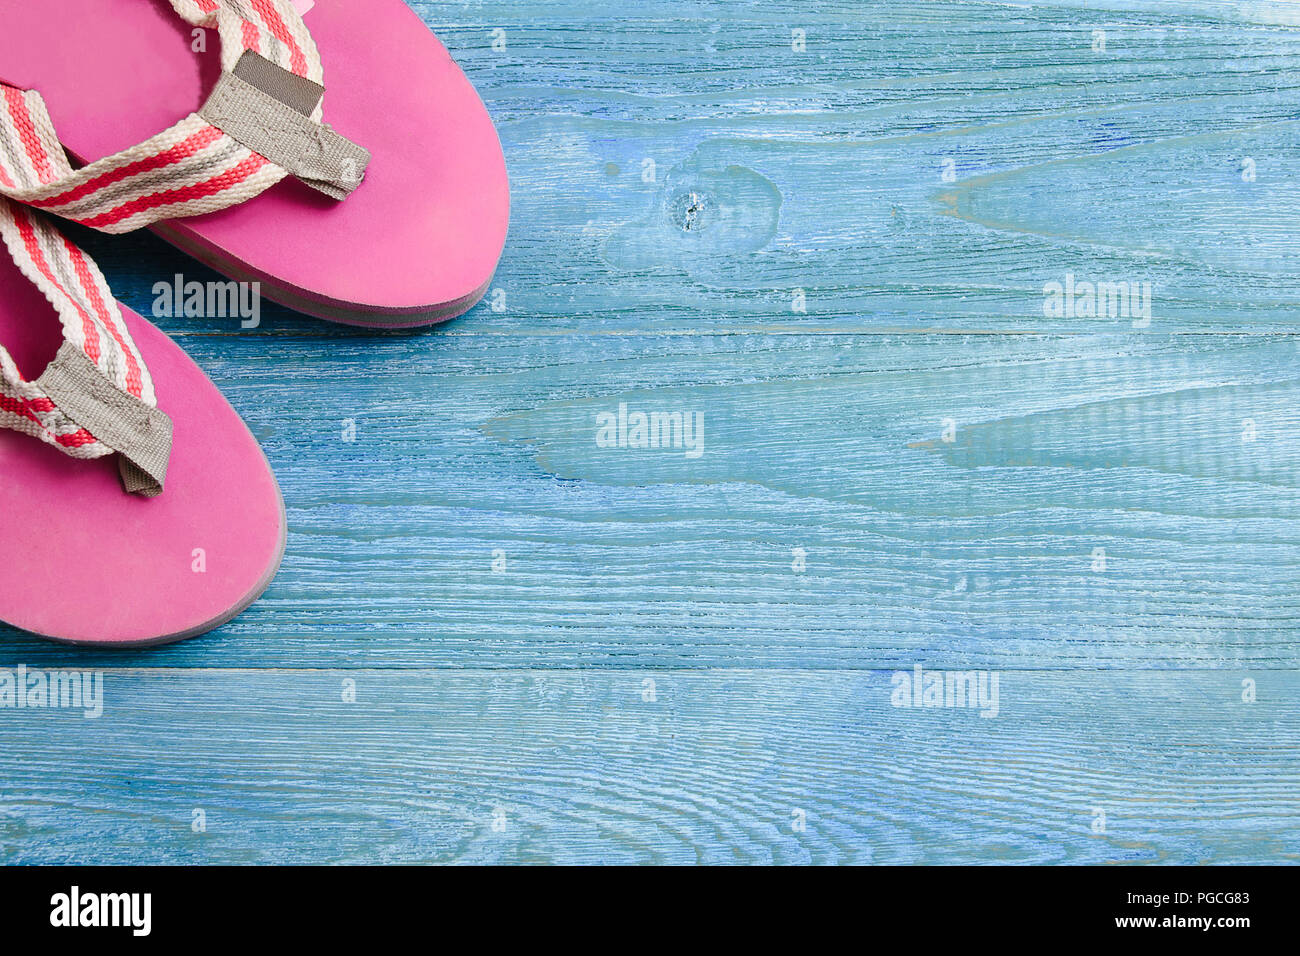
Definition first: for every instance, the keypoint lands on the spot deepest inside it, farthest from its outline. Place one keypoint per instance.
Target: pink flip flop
(247, 176)
(135, 507)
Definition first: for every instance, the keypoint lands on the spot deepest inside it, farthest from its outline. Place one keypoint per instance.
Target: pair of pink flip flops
(135, 506)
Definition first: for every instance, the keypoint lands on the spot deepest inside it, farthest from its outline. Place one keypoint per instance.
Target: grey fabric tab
(140, 434)
(268, 110)
(296, 92)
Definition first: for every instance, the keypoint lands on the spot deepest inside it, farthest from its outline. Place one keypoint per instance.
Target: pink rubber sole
(417, 243)
(85, 563)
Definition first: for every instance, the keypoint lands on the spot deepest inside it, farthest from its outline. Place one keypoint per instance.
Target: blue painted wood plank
(621, 766)
(1102, 502)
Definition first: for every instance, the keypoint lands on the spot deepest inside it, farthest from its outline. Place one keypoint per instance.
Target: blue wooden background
(836, 253)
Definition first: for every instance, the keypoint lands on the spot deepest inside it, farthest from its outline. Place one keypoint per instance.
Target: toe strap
(139, 433)
(97, 397)
(269, 110)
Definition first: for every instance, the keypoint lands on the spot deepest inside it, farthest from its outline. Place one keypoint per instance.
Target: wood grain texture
(575, 766)
(837, 259)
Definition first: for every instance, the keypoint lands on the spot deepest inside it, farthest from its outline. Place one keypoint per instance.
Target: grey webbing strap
(139, 433)
(268, 109)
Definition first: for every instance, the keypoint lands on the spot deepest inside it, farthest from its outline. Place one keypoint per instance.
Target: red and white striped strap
(97, 397)
(196, 166)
